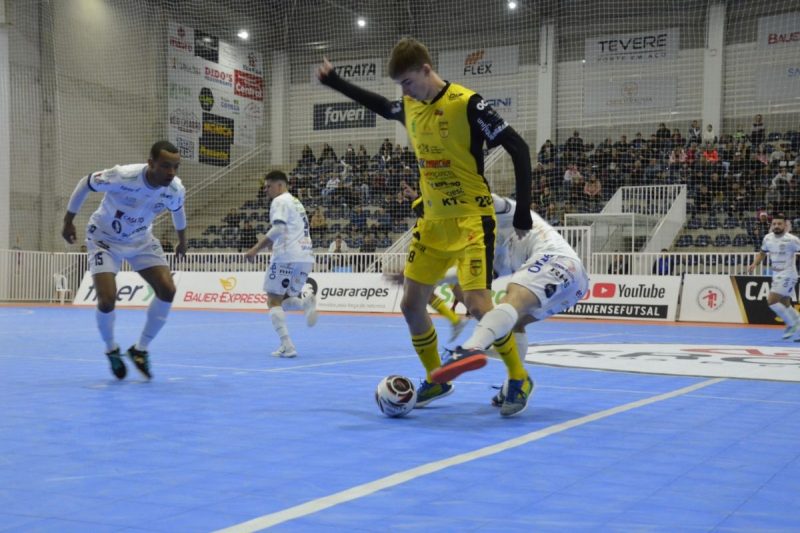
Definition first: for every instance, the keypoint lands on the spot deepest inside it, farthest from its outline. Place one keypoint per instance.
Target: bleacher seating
(740, 240)
(702, 241)
(685, 241)
(722, 240)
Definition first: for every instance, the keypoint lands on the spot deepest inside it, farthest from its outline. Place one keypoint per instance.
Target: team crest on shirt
(444, 129)
(475, 267)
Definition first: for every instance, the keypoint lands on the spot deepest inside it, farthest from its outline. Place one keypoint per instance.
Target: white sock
(156, 318)
(278, 317)
(793, 313)
(292, 303)
(782, 312)
(494, 325)
(522, 343)
(105, 323)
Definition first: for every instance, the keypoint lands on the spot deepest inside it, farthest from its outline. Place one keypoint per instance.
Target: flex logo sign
(342, 115)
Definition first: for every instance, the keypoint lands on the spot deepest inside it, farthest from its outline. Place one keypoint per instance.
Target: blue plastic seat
(702, 241)
(722, 240)
(684, 241)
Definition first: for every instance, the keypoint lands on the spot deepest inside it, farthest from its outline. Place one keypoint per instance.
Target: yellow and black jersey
(448, 134)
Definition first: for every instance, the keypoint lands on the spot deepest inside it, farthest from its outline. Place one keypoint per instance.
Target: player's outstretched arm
(326, 74)
(518, 149)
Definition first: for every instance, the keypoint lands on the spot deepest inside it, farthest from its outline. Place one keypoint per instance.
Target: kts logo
(228, 284)
(710, 299)
(604, 290)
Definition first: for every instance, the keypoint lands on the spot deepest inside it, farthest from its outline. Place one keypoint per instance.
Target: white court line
(366, 489)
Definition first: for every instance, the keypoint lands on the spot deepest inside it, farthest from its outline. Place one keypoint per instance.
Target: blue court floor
(226, 436)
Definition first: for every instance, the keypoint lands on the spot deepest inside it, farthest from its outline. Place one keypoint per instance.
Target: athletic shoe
(461, 360)
(458, 327)
(285, 351)
(789, 331)
(516, 395)
(141, 361)
(427, 392)
(118, 367)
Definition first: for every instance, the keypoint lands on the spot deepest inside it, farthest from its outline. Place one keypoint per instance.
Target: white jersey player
(121, 230)
(291, 261)
(781, 246)
(547, 277)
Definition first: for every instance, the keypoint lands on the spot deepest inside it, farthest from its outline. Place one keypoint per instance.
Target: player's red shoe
(461, 360)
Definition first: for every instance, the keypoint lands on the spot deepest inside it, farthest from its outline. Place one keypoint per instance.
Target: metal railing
(27, 276)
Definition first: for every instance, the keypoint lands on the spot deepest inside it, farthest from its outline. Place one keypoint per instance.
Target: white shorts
(558, 281)
(783, 283)
(286, 278)
(107, 257)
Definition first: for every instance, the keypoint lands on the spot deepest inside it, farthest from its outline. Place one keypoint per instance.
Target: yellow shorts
(467, 242)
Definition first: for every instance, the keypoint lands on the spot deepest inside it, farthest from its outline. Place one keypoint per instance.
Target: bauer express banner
(478, 63)
(132, 290)
(629, 297)
(632, 48)
(619, 96)
(710, 299)
(779, 31)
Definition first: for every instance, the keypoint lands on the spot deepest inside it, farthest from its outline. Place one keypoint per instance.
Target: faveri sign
(342, 115)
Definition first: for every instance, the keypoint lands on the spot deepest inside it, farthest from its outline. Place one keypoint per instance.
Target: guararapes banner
(632, 48)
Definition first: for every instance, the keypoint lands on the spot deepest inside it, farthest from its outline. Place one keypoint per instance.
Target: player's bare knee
(166, 293)
(106, 304)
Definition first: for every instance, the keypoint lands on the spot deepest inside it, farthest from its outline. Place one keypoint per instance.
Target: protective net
(604, 92)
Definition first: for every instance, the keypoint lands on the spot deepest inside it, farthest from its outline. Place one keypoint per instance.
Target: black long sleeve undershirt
(372, 101)
(517, 148)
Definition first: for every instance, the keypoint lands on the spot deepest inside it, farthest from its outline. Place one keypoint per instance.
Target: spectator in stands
(546, 197)
(362, 159)
(358, 219)
(758, 133)
(783, 174)
(233, 218)
(408, 158)
(622, 143)
(247, 236)
(327, 156)
(547, 153)
(319, 224)
(695, 134)
(653, 172)
(349, 158)
(338, 246)
(619, 265)
(665, 264)
(370, 243)
(307, 159)
(636, 175)
(571, 174)
(709, 137)
(704, 199)
(638, 142)
(331, 189)
(613, 180)
(677, 156)
(553, 214)
(710, 153)
(677, 138)
(592, 193)
(663, 138)
(574, 146)
(385, 150)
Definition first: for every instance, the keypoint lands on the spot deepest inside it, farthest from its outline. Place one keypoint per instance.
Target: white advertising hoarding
(478, 63)
(619, 96)
(779, 31)
(632, 48)
(778, 83)
(707, 298)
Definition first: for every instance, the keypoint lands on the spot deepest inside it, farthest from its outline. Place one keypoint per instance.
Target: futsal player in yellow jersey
(448, 126)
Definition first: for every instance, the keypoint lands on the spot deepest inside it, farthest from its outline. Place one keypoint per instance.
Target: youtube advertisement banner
(630, 298)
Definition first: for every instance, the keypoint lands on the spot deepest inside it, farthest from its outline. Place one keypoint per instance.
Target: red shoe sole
(451, 371)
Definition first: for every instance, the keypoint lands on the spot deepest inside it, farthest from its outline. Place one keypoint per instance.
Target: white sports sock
(782, 312)
(793, 313)
(522, 344)
(292, 303)
(494, 324)
(278, 317)
(105, 323)
(156, 318)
